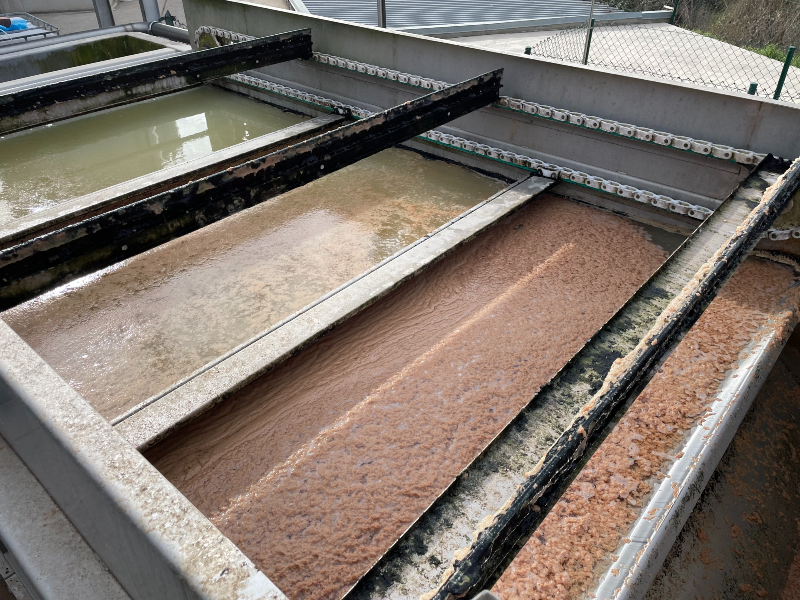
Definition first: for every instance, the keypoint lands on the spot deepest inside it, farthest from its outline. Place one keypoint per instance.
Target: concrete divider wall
(727, 118)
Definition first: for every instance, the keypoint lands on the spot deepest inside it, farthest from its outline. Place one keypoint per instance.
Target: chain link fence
(672, 53)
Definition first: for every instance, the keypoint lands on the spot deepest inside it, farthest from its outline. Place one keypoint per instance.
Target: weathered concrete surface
(157, 545)
(55, 559)
(119, 48)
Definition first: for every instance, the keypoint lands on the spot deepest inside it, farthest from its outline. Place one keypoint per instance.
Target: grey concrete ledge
(19, 230)
(653, 534)
(156, 417)
(153, 540)
(168, 48)
(520, 25)
(50, 554)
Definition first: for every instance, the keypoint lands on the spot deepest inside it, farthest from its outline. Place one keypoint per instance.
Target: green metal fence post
(786, 64)
(753, 88)
(674, 8)
(527, 49)
(588, 42)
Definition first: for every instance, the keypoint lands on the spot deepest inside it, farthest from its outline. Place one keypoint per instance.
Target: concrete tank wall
(730, 118)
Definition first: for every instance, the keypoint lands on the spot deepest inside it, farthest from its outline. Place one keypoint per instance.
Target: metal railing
(669, 52)
(40, 29)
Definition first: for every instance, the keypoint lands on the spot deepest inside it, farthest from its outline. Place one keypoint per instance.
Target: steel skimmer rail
(561, 115)
(519, 160)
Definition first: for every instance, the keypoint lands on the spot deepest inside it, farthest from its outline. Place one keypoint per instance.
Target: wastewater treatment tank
(314, 310)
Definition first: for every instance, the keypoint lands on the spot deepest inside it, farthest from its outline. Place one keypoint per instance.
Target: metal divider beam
(47, 261)
(29, 106)
(540, 451)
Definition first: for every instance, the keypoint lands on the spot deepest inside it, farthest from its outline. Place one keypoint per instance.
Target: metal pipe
(382, 13)
(105, 16)
(588, 41)
(786, 64)
(674, 10)
(176, 34)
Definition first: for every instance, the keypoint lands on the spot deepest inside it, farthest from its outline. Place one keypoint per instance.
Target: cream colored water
(134, 329)
(44, 166)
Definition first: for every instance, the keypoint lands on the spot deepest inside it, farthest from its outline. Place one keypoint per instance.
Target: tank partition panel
(27, 106)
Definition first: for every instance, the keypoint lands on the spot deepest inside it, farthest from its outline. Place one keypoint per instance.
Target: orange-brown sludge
(315, 469)
(573, 545)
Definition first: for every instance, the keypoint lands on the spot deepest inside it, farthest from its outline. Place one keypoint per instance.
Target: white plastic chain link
(545, 169)
(644, 134)
(526, 162)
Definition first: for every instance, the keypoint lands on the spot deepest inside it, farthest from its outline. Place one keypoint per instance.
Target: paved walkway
(658, 50)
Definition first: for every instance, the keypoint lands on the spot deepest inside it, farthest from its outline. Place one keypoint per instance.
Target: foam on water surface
(315, 469)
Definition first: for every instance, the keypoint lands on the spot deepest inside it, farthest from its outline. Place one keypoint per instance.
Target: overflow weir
(314, 310)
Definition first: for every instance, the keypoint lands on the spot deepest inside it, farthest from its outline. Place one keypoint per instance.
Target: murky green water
(134, 329)
(44, 166)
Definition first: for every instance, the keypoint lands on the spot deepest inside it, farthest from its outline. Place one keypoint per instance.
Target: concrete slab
(156, 544)
(55, 559)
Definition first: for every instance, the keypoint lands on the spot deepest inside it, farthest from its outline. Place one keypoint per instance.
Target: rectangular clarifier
(591, 525)
(317, 467)
(48, 165)
(130, 331)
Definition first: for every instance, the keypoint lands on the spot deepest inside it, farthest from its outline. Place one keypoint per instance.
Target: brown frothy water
(136, 328)
(573, 545)
(44, 166)
(316, 468)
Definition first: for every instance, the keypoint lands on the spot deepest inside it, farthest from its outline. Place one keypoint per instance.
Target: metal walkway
(419, 13)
